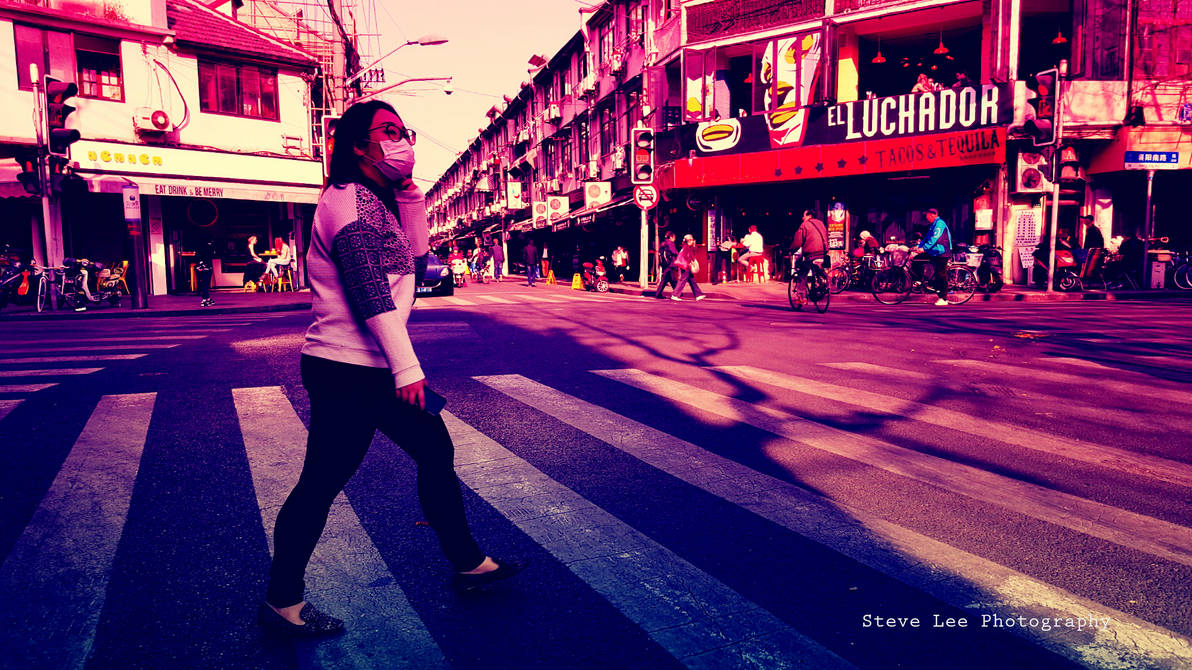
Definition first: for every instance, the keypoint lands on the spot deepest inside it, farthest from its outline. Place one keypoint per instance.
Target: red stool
(759, 269)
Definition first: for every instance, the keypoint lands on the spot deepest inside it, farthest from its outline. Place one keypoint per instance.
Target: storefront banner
(197, 188)
(837, 225)
(788, 72)
(557, 207)
(514, 190)
(96, 157)
(975, 147)
(910, 115)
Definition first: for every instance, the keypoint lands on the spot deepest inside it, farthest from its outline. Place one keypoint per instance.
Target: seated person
(255, 267)
(754, 245)
(282, 260)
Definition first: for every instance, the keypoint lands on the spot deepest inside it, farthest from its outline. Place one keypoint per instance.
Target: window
(51, 51)
(633, 113)
(637, 25)
(605, 35)
(582, 147)
(581, 66)
(98, 61)
(608, 129)
(565, 150)
(238, 90)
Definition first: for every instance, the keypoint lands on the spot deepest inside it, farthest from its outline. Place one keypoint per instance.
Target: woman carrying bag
(359, 366)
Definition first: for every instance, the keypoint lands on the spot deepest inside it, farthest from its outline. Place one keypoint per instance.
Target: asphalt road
(701, 485)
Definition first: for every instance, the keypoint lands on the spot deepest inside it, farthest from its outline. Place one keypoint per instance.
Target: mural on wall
(697, 104)
(788, 69)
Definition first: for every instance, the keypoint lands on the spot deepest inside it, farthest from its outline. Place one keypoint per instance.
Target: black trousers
(348, 404)
(203, 279)
(668, 277)
(939, 279)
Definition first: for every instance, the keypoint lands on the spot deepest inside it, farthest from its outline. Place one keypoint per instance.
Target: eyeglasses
(394, 132)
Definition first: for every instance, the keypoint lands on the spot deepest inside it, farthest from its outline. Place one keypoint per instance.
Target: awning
(203, 188)
(591, 211)
(9, 186)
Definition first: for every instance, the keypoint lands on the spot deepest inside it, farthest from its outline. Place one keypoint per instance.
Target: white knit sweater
(361, 269)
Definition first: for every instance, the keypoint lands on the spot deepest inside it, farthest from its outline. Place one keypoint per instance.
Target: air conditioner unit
(555, 186)
(523, 135)
(619, 158)
(1032, 174)
(588, 85)
(616, 62)
(150, 120)
(593, 169)
(553, 112)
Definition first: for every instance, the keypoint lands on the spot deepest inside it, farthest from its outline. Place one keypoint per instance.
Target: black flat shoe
(505, 570)
(317, 623)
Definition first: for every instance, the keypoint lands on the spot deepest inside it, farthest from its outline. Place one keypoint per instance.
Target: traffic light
(1041, 98)
(57, 92)
(642, 163)
(30, 176)
(63, 180)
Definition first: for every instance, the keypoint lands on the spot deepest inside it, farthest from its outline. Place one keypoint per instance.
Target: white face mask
(397, 162)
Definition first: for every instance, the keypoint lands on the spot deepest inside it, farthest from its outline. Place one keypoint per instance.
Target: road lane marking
(1160, 538)
(7, 406)
(450, 300)
(24, 388)
(39, 348)
(55, 579)
(52, 372)
(1101, 383)
(496, 299)
(384, 630)
(1113, 458)
(959, 578)
(1134, 362)
(537, 298)
(72, 359)
(127, 338)
(682, 608)
(1104, 415)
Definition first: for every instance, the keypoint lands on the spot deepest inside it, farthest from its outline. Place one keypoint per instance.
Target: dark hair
(811, 212)
(350, 132)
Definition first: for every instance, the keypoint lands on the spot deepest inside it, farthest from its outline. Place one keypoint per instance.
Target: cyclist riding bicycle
(812, 238)
(938, 247)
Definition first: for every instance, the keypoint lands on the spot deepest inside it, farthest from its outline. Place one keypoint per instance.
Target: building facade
(867, 111)
(206, 118)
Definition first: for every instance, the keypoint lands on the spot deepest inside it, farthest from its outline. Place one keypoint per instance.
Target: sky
(490, 42)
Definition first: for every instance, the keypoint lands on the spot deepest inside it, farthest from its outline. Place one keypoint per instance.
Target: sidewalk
(776, 290)
(228, 301)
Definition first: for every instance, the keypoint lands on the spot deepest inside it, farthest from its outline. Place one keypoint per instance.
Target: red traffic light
(57, 92)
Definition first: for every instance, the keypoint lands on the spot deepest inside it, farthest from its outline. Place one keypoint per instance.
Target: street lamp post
(425, 40)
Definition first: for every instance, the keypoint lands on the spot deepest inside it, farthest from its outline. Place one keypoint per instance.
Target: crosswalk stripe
(969, 581)
(51, 372)
(451, 300)
(1069, 407)
(537, 298)
(56, 576)
(72, 359)
(495, 298)
(1164, 362)
(7, 406)
(347, 567)
(132, 339)
(1113, 458)
(1100, 383)
(40, 347)
(1128, 529)
(685, 610)
(24, 388)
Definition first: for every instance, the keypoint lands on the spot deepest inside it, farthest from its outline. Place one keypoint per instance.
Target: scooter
(459, 269)
(77, 285)
(595, 277)
(989, 272)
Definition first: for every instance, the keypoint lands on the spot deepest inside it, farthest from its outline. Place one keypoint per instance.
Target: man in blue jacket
(938, 247)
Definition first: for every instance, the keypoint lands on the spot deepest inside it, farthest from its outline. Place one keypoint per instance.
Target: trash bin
(1158, 274)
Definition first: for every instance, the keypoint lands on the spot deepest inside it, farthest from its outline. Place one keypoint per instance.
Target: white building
(208, 117)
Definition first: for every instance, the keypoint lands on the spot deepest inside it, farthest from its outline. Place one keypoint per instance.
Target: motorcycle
(18, 280)
(989, 271)
(595, 277)
(79, 290)
(459, 271)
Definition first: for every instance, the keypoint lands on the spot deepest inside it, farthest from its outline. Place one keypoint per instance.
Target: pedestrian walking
(204, 267)
(686, 265)
(620, 259)
(360, 370)
(498, 259)
(667, 253)
(938, 247)
(530, 255)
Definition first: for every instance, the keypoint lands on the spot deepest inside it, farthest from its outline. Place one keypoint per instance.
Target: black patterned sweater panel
(366, 252)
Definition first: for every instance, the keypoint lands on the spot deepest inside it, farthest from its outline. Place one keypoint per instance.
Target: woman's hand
(413, 394)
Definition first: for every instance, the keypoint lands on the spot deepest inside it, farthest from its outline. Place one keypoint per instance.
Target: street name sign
(645, 196)
(1152, 160)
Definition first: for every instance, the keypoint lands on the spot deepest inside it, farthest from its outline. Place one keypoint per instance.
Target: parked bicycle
(856, 272)
(895, 283)
(808, 284)
(19, 281)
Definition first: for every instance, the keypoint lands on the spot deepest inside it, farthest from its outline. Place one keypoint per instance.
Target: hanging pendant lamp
(879, 58)
(941, 49)
(1059, 38)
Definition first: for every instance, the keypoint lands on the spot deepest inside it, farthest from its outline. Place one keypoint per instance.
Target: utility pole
(1056, 152)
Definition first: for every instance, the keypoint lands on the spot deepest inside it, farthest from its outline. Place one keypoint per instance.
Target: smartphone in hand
(434, 402)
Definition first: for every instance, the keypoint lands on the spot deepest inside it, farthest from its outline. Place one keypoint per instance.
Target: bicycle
(895, 283)
(1181, 274)
(808, 283)
(856, 272)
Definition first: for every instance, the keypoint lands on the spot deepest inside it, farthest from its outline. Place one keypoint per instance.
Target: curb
(142, 313)
(1000, 296)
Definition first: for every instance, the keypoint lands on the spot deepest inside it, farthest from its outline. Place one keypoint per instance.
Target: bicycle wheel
(891, 286)
(1183, 277)
(962, 283)
(1068, 282)
(820, 290)
(838, 279)
(796, 292)
(40, 300)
